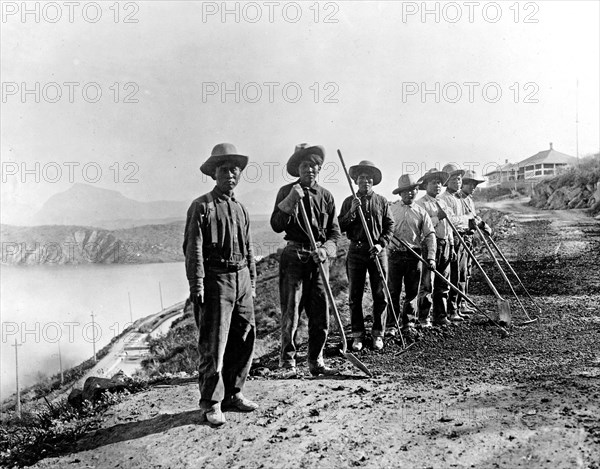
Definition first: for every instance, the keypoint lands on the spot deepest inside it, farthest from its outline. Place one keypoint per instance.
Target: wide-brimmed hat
(472, 178)
(223, 153)
(406, 182)
(365, 167)
(431, 174)
(453, 169)
(304, 152)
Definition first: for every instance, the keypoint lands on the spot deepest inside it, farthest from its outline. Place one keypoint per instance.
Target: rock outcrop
(577, 189)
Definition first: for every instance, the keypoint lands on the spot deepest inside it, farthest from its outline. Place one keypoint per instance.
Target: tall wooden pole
(94, 337)
(62, 377)
(130, 310)
(577, 121)
(17, 376)
(161, 300)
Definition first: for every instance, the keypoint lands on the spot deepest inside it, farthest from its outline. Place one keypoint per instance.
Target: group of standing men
(221, 270)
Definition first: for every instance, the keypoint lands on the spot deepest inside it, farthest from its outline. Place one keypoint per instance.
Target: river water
(47, 307)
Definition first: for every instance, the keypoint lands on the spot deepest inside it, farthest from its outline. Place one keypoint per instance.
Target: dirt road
(461, 397)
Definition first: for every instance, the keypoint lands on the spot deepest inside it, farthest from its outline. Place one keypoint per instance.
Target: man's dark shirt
(324, 223)
(217, 228)
(378, 216)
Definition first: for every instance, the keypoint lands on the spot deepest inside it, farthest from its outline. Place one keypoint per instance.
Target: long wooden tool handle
(512, 270)
(370, 241)
(471, 255)
(313, 245)
(451, 285)
(495, 259)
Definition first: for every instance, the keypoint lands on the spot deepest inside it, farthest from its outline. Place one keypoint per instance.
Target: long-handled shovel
(502, 273)
(377, 261)
(441, 277)
(348, 355)
(514, 273)
(503, 305)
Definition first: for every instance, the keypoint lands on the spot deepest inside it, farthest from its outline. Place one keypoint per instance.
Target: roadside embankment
(577, 188)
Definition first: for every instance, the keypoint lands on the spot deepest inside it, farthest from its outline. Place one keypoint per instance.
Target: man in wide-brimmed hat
(470, 181)
(458, 310)
(300, 282)
(221, 272)
(361, 258)
(414, 227)
(433, 292)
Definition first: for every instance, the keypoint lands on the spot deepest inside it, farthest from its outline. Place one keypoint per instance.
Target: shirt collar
(368, 195)
(219, 194)
(312, 188)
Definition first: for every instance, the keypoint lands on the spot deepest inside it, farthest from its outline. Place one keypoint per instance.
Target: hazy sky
(361, 67)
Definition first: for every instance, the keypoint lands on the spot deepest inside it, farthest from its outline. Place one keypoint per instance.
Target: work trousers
(434, 291)
(402, 266)
(358, 263)
(227, 334)
(301, 287)
(459, 274)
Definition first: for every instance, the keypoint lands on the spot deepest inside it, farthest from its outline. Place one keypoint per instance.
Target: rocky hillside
(73, 245)
(577, 188)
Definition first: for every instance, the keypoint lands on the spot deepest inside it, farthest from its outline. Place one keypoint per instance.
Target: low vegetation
(54, 429)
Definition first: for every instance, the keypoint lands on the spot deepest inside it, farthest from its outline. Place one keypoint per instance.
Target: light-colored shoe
(378, 343)
(290, 372)
(213, 415)
(239, 402)
(357, 344)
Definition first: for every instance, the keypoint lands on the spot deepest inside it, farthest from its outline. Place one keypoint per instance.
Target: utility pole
(577, 122)
(130, 311)
(161, 301)
(17, 374)
(62, 377)
(94, 337)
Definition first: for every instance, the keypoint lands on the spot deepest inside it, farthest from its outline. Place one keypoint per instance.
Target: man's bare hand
(319, 255)
(375, 250)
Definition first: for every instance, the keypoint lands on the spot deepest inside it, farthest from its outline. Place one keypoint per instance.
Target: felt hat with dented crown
(223, 153)
(305, 152)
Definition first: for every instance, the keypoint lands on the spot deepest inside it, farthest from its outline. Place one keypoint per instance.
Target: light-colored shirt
(468, 201)
(458, 216)
(413, 225)
(442, 229)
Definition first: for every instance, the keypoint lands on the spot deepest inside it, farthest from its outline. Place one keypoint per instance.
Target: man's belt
(222, 265)
(401, 250)
(303, 246)
(359, 244)
(442, 241)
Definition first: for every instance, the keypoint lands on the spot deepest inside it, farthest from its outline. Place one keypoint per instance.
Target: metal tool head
(357, 363)
(504, 316)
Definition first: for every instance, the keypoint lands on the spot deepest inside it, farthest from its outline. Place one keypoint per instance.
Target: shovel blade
(504, 316)
(357, 363)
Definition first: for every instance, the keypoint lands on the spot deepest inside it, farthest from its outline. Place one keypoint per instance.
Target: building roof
(550, 156)
(502, 168)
